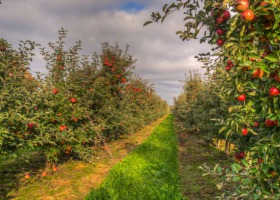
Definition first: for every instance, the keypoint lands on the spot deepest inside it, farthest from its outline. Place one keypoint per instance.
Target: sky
(162, 57)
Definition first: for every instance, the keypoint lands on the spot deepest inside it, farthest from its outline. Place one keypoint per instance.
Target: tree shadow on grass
(13, 171)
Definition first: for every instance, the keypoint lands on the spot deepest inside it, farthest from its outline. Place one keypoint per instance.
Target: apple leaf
(271, 58)
(236, 167)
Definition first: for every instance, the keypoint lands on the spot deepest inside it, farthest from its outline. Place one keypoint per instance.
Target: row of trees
(82, 102)
(244, 67)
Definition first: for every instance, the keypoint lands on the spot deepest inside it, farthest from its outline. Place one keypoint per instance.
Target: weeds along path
(73, 180)
(150, 172)
(194, 152)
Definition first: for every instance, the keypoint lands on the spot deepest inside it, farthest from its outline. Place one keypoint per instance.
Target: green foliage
(149, 172)
(199, 106)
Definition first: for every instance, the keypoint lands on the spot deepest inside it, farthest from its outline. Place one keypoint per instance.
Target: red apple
(256, 124)
(247, 15)
(244, 131)
(30, 125)
(241, 97)
(242, 154)
(220, 42)
(269, 123)
(274, 91)
(44, 174)
(55, 91)
(277, 78)
(220, 32)
(219, 20)
(62, 128)
(230, 63)
(242, 5)
(258, 73)
(228, 68)
(73, 100)
(226, 15)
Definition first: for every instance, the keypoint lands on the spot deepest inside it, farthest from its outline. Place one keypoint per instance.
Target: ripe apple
(55, 91)
(244, 131)
(219, 20)
(220, 42)
(241, 97)
(62, 128)
(269, 123)
(230, 63)
(273, 91)
(73, 100)
(247, 15)
(54, 169)
(228, 68)
(242, 154)
(44, 174)
(258, 73)
(30, 125)
(226, 15)
(220, 32)
(27, 176)
(242, 5)
(256, 124)
(277, 78)
(260, 160)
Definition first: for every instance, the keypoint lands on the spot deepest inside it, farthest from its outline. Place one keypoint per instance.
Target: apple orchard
(240, 92)
(82, 103)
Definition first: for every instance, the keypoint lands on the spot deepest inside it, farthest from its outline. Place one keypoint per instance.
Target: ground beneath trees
(194, 152)
(73, 180)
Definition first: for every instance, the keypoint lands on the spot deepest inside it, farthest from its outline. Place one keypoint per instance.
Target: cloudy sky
(161, 56)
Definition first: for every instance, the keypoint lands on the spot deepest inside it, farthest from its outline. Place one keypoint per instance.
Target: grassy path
(193, 152)
(150, 172)
(73, 180)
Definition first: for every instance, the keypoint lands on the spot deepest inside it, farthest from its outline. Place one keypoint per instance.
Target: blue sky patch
(132, 7)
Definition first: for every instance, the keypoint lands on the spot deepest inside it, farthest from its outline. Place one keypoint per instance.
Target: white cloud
(161, 56)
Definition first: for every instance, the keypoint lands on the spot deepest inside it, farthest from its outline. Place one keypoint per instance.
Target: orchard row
(239, 99)
(81, 103)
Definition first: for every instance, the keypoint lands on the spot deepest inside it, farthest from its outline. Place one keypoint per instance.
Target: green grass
(149, 172)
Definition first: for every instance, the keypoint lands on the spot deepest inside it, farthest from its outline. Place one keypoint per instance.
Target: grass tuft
(149, 172)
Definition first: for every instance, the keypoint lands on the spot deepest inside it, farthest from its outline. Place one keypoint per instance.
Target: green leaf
(224, 128)
(147, 22)
(271, 58)
(236, 167)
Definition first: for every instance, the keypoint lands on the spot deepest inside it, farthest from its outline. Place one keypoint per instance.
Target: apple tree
(245, 37)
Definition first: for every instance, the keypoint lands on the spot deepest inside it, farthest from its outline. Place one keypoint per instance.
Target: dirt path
(74, 179)
(193, 152)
